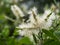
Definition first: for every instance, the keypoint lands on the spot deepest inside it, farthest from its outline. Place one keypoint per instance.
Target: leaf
(11, 41)
(51, 42)
(57, 34)
(50, 34)
(25, 41)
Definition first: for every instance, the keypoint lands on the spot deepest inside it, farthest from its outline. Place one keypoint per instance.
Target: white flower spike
(36, 22)
(17, 11)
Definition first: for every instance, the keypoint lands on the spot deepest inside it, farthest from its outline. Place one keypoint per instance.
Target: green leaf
(25, 41)
(11, 41)
(50, 34)
(57, 34)
(51, 42)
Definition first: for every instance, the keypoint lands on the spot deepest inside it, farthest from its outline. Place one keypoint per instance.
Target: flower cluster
(35, 23)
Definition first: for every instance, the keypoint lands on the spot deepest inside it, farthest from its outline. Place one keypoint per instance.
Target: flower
(36, 22)
(17, 11)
